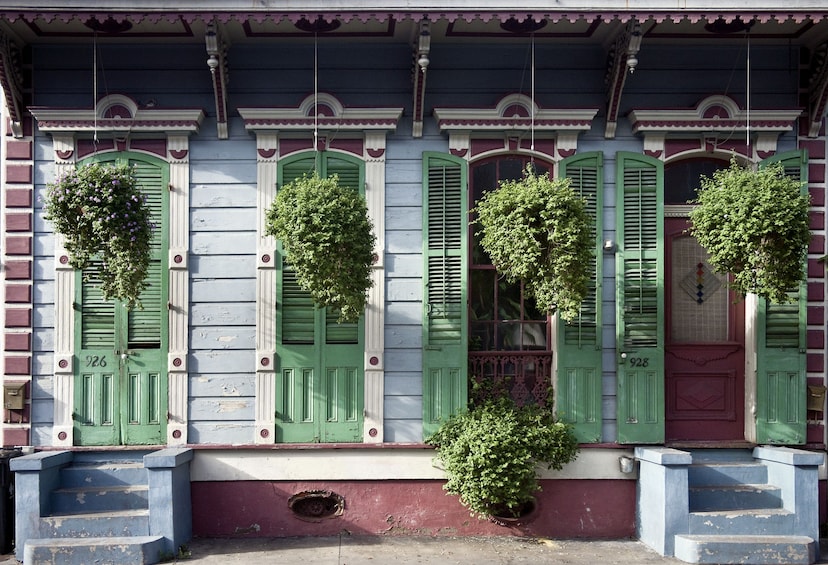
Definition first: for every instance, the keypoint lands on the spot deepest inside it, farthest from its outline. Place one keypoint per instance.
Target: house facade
(422, 110)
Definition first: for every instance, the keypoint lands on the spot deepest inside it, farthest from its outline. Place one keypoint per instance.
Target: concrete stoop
(110, 507)
(130, 550)
(746, 549)
(747, 507)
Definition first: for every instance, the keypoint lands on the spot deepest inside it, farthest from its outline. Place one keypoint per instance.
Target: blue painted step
(104, 473)
(754, 550)
(96, 524)
(726, 473)
(739, 522)
(99, 498)
(141, 550)
(735, 497)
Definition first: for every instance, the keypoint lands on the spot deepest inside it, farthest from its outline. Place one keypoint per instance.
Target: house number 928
(639, 361)
(95, 361)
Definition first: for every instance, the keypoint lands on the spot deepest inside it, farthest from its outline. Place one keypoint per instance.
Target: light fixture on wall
(424, 46)
(609, 246)
(634, 47)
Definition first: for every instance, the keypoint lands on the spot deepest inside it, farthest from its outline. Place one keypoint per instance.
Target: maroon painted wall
(565, 509)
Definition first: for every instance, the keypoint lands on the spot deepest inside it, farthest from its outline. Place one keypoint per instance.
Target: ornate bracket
(817, 89)
(11, 80)
(421, 48)
(622, 56)
(217, 62)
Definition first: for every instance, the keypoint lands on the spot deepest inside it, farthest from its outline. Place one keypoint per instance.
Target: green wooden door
(578, 386)
(320, 367)
(781, 385)
(640, 299)
(445, 314)
(120, 392)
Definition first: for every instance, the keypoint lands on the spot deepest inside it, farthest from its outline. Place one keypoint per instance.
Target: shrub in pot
(491, 451)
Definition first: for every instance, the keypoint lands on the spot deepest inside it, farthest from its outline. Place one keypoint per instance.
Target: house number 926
(95, 361)
(639, 361)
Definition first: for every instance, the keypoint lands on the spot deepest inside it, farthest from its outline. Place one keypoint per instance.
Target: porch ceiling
(798, 22)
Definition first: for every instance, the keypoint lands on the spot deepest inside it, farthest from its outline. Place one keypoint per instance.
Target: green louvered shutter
(781, 384)
(445, 316)
(121, 380)
(578, 352)
(640, 299)
(319, 382)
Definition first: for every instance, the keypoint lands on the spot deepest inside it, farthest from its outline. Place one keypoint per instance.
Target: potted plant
(537, 229)
(106, 225)
(327, 236)
(491, 451)
(755, 225)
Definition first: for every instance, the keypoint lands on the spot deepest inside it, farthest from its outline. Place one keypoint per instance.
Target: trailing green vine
(755, 225)
(327, 236)
(537, 230)
(105, 223)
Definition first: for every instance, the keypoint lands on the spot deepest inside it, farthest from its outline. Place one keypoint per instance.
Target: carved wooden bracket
(11, 80)
(217, 62)
(817, 89)
(622, 57)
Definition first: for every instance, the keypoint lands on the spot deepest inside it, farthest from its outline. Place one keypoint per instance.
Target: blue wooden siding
(223, 181)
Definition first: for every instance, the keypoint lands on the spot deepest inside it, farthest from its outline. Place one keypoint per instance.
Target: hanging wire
(532, 109)
(315, 92)
(747, 96)
(95, 87)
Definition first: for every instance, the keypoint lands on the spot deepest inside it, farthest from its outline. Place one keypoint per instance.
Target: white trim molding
(320, 118)
(115, 119)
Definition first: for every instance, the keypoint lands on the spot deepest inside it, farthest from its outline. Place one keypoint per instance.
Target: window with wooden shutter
(640, 299)
(445, 387)
(320, 373)
(120, 393)
(781, 384)
(578, 351)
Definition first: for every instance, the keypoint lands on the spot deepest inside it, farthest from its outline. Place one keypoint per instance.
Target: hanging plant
(755, 225)
(105, 222)
(327, 236)
(537, 230)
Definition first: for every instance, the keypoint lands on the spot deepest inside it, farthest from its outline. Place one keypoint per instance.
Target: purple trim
(657, 16)
(324, 122)
(117, 124)
(266, 153)
(511, 123)
(706, 125)
(375, 153)
(187, 30)
(178, 153)
(388, 32)
(65, 154)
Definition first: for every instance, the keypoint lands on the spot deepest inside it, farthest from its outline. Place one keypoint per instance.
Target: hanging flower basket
(537, 230)
(755, 225)
(327, 236)
(105, 222)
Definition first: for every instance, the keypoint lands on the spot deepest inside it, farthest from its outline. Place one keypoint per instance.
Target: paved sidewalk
(364, 550)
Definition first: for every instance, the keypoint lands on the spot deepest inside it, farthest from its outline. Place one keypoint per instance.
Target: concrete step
(96, 499)
(735, 497)
(100, 474)
(139, 550)
(750, 550)
(96, 524)
(722, 455)
(726, 473)
(773, 521)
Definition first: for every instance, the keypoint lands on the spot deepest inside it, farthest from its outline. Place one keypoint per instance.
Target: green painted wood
(578, 382)
(445, 314)
(640, 298)
(781, 384)
(320, 362)
(120, 393)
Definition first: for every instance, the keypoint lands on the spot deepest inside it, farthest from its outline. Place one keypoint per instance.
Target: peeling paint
(225, 406)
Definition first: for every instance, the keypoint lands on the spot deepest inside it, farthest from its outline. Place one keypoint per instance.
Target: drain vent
(316, 505)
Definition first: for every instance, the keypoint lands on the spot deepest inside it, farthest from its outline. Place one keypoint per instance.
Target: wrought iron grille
(524, 376)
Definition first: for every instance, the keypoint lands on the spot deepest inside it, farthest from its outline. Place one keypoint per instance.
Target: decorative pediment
(119, 116)
(322, 112)
(715, 118)
(515, 116)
